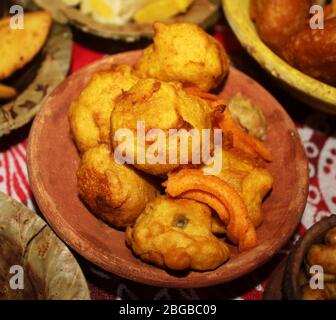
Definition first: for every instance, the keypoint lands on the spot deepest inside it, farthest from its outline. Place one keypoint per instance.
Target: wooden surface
(53, 161)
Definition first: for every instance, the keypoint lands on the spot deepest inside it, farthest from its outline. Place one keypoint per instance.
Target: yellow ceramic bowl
(311, 91)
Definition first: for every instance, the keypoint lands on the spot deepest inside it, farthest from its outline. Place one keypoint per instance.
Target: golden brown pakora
(90, 113)
(277, 20)
(116, 193)
(184, 52)
(314, 52)
(158, 105)
(177, 234)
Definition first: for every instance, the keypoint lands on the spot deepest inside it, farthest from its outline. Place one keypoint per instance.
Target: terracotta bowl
(53, 161)
(314, 235)
(311, 91)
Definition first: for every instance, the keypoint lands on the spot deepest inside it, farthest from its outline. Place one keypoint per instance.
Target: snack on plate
(90, 113)
(240, 229)
(114, 192)
(7, 92)
(129, 115)
(284, 26)
(314, 52)
(19, 46)
(277, 20)
(323, 255)
(184, 52)
(178, 110)
(177, 234)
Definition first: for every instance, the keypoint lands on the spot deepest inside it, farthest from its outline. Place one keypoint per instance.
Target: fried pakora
(116, 193)
(160, 107)
(277, 20)
(246, 182)
(20, 46)
(314, 52)
(184, 52)
(177, 234)
(90, 113)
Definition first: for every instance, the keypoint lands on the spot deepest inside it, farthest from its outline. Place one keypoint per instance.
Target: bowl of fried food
(279, 36)
(28, 75)
(130, 20)
(35, 264)
(311, 269)
(168, 166)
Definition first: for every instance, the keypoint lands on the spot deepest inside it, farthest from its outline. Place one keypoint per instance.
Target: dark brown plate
(53, 161)
(201, 12)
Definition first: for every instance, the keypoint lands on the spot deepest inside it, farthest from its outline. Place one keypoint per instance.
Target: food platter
(37, 79)
(311, 91)
(53, 161)
(50, 270)
(202, 12)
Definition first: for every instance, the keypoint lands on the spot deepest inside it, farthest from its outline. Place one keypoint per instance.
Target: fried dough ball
(159, 105)
(277, 20)
(323, 255)
(90, 113)
(115, 193)
(184, 52)
(314, 52)
(176, 234)
(250, 180)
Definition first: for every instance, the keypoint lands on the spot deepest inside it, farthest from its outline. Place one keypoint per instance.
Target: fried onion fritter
(159, 105)
(177, 234)
(90, 113)
(116, 193)
(184, 52)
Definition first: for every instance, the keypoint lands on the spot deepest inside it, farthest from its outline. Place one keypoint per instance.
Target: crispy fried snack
(19, 46)
(277, 20)
(90, 113)
(159, 105)
(240, 228)
(323, 255)
(115, 193)
(241, 139)
(7, 92)
(249, 179)
(184, 52)
(314, 52)
(177, 234)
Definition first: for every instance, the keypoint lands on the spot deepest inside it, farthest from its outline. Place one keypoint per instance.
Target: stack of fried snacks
(169, 89)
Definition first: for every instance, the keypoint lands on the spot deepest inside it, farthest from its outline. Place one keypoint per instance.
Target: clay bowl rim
(130, 271)
(315, 93)
(314, 235)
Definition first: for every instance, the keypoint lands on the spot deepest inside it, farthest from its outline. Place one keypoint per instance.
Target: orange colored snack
(240, 228)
